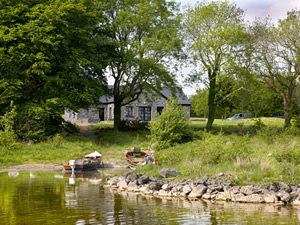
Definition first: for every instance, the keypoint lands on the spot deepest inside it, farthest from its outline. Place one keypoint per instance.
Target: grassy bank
(251, 151)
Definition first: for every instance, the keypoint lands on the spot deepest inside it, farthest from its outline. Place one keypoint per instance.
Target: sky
(260, 8)
(276, 9)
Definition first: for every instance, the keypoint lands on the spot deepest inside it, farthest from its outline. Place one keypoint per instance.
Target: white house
(143, 109)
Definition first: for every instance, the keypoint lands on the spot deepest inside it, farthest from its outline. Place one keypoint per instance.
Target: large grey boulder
(132, 186)
(247, 190)
(270, 198)
(284, 196)
(131, 178)
(235, 189)
(155, 186)
(167, 187)
(254, 198)
(163, 193)
(166, 172)
(122, 184)
(143, 180)
(114, 181)
(186, 189)
(279, 186)
(223, 196)
(199, 181)
(198, 191)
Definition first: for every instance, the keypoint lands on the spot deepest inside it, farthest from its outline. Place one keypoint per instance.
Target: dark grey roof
(106, 99)
(165, 92)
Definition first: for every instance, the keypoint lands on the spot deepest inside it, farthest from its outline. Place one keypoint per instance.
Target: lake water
(43, 197)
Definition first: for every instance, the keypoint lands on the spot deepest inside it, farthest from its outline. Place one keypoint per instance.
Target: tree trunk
(211, 100)
(287, 111)
(117, 113)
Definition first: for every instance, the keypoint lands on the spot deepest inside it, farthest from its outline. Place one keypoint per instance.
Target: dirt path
(86, 131)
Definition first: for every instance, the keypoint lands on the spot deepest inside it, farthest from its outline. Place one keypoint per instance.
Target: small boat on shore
(136, 156)
(89, 162)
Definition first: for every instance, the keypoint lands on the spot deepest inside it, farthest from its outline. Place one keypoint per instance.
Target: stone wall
(215, 188)
(83, 116)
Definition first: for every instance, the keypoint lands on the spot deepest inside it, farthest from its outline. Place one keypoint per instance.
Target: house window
(145, 113)
(129, 111)
(160, 109)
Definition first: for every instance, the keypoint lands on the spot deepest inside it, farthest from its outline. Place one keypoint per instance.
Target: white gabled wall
(92, 115)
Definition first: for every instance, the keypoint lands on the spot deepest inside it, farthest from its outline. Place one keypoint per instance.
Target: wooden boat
(136, 156)
(89, 162)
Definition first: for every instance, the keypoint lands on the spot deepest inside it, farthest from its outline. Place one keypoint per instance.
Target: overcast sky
(260, 8)
(276, 9)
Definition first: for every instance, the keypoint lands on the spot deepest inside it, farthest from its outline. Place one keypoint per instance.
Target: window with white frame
(129, 111)
(145, 113)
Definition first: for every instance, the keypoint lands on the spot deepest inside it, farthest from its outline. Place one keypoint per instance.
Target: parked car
(278, 116)
(239, 116)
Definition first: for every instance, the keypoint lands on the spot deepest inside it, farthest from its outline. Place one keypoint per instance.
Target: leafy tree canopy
(217, 37)
(277, 51)
(146, 34)
(49, 59)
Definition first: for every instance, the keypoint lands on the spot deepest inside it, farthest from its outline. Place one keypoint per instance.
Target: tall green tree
(49, 59)
(216, 35)
(278, 57)
(146, 35)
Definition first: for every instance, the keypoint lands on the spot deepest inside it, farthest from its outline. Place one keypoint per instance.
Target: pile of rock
(215, 188)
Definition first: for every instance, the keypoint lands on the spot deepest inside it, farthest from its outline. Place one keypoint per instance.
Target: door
(101, 114)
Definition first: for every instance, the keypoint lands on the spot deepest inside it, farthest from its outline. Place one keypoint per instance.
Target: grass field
(251, 151)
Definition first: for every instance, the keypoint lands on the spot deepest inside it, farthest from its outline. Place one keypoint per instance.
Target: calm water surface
(54, 198)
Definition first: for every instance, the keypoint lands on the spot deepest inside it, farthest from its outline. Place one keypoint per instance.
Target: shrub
(57, 141)
(258, 124)
(133, 125)
(7, 133)
(269, 134)
(70, 127)
(171, 126)
(296, 122)
(289, 160)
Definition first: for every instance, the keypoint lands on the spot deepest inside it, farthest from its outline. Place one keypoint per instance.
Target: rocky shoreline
(214, 188)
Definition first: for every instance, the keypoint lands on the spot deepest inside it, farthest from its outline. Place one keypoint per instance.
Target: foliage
(199, 107)
(296, 122)
(146, 35)
(58, 141)
(248, 159)
(277, 57)
(289, 160)
(7, 133)
(51, 57)
(171, 125)
(213, 151)
(258, 124)
(217, 36)
(133, 125)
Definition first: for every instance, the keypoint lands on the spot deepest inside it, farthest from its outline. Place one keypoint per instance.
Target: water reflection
(49, 198)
